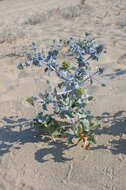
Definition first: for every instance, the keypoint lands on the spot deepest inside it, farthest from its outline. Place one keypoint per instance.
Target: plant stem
(67, 92)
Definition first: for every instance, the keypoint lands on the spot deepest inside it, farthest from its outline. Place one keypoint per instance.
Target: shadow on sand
(56, 150)
(116, 73)
(14, 130)
(117, 127)
(19, 131)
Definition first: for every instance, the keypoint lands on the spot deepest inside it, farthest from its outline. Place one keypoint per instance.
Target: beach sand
(27, 162)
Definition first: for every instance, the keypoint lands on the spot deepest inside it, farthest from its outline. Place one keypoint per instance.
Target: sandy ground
(27, 162)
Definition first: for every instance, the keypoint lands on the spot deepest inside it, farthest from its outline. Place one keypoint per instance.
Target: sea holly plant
(69, 98)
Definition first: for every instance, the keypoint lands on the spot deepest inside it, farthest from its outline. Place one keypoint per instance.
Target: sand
(27, 162)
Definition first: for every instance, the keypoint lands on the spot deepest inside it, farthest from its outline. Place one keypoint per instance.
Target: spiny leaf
(100, 70)
(20, 66)
(69, 135)
(90, 98)
(31, 100)
(66, 65)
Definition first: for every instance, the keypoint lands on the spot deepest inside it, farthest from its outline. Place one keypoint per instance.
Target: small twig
(67, 92)
(59, 74)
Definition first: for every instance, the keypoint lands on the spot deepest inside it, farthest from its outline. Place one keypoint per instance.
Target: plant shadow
(99, 147)
(117, 72)
(117, 128)
(118, 146)
(17, 131)
(56, 150)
